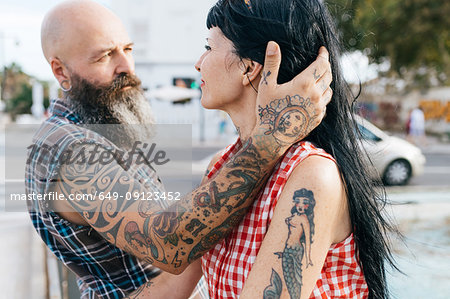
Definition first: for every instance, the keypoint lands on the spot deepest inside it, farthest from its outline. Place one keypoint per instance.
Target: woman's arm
(307, 234)
(293, 251)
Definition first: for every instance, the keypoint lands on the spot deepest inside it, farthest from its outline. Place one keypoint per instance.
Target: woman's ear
(252, 72)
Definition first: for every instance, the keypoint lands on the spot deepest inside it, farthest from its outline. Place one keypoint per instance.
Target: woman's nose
(199, 62)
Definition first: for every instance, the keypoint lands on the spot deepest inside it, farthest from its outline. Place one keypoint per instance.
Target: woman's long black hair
(300, 27)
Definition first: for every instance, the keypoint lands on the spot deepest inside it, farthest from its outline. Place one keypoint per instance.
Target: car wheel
(398, 172)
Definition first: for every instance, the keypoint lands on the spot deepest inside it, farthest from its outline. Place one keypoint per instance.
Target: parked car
(395, 159)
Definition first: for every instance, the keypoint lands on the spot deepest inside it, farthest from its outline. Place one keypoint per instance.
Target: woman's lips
(203, 83)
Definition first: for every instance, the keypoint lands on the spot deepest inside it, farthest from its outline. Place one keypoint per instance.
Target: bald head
(84, 38)
(72, 23)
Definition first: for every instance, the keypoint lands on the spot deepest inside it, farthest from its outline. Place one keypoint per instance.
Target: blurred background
(398, 52)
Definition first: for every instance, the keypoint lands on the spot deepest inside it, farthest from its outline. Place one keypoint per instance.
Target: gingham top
(104, 270)
(227, 266)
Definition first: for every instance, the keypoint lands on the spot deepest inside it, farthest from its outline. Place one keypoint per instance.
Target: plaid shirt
(227, 266)
(103, 269)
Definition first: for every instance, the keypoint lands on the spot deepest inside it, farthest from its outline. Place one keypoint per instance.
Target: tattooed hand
(289, 112)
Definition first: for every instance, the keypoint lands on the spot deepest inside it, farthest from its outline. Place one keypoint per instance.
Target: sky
(20, 22)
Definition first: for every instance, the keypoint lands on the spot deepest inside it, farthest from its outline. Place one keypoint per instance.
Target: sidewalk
(22, 272)
(424, 254)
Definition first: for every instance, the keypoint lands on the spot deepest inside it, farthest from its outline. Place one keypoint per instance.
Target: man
(417, 127)
(114, 246)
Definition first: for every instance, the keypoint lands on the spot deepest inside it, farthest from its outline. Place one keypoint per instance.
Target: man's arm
(163, 285)
(172, 238)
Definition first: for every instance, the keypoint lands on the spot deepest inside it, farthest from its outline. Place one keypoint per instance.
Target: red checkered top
(228, 264)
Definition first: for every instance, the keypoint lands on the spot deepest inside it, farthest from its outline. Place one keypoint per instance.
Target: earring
(63, 88)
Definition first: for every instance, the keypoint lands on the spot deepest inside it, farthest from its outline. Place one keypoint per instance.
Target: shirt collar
(61, 107)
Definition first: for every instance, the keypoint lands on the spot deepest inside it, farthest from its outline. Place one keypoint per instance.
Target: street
(437, 171)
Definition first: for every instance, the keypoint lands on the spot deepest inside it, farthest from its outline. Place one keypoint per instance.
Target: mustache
(121, 81)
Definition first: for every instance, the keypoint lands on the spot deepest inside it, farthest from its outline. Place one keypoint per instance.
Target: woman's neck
(243, 115)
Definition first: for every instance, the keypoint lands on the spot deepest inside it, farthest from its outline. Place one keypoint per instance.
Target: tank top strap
(298, 153)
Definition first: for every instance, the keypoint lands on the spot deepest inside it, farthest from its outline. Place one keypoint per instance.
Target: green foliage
(17, 91)
(20, 103)
(413, 34)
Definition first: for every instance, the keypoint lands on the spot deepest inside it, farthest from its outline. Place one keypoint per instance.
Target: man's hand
(287, 113)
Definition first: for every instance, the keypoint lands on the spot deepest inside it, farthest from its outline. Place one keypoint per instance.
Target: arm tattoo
(288, 119)
(184, 231)
(298, 243)
(273, 291)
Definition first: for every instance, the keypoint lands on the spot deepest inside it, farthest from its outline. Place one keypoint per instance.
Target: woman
(317, 230)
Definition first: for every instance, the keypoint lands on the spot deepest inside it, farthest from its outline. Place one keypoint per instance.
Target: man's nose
(125, 64)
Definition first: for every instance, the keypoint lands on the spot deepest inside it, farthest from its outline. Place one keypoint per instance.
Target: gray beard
(133, 110)
(123, 117)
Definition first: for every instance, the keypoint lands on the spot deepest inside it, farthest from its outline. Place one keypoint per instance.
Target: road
(436, 172)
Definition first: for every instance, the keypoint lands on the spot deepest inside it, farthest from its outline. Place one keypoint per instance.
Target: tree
(17, 91)
(414, 35)
(21, 102)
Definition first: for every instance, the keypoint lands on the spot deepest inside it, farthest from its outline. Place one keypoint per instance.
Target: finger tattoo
(265, 76)
(316, 76)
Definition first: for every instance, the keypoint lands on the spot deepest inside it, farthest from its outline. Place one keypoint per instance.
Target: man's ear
(59, 70)
(252, 72)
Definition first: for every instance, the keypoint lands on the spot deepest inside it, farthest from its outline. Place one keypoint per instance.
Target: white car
(395, 159)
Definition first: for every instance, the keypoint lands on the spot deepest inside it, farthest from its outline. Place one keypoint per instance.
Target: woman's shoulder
(305, 155)
(318, 169)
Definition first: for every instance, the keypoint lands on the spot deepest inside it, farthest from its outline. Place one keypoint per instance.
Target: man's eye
(105, 56)
(128, 49)
(208, 48)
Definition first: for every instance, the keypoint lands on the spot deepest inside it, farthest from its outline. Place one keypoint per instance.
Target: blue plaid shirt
(104, 270)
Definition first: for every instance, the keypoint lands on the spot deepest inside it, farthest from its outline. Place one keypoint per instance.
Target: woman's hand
(287, 113)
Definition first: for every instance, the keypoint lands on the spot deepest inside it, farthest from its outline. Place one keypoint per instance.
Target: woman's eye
(208, 48)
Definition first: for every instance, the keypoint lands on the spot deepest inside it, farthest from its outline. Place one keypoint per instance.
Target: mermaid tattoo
(298, 243)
